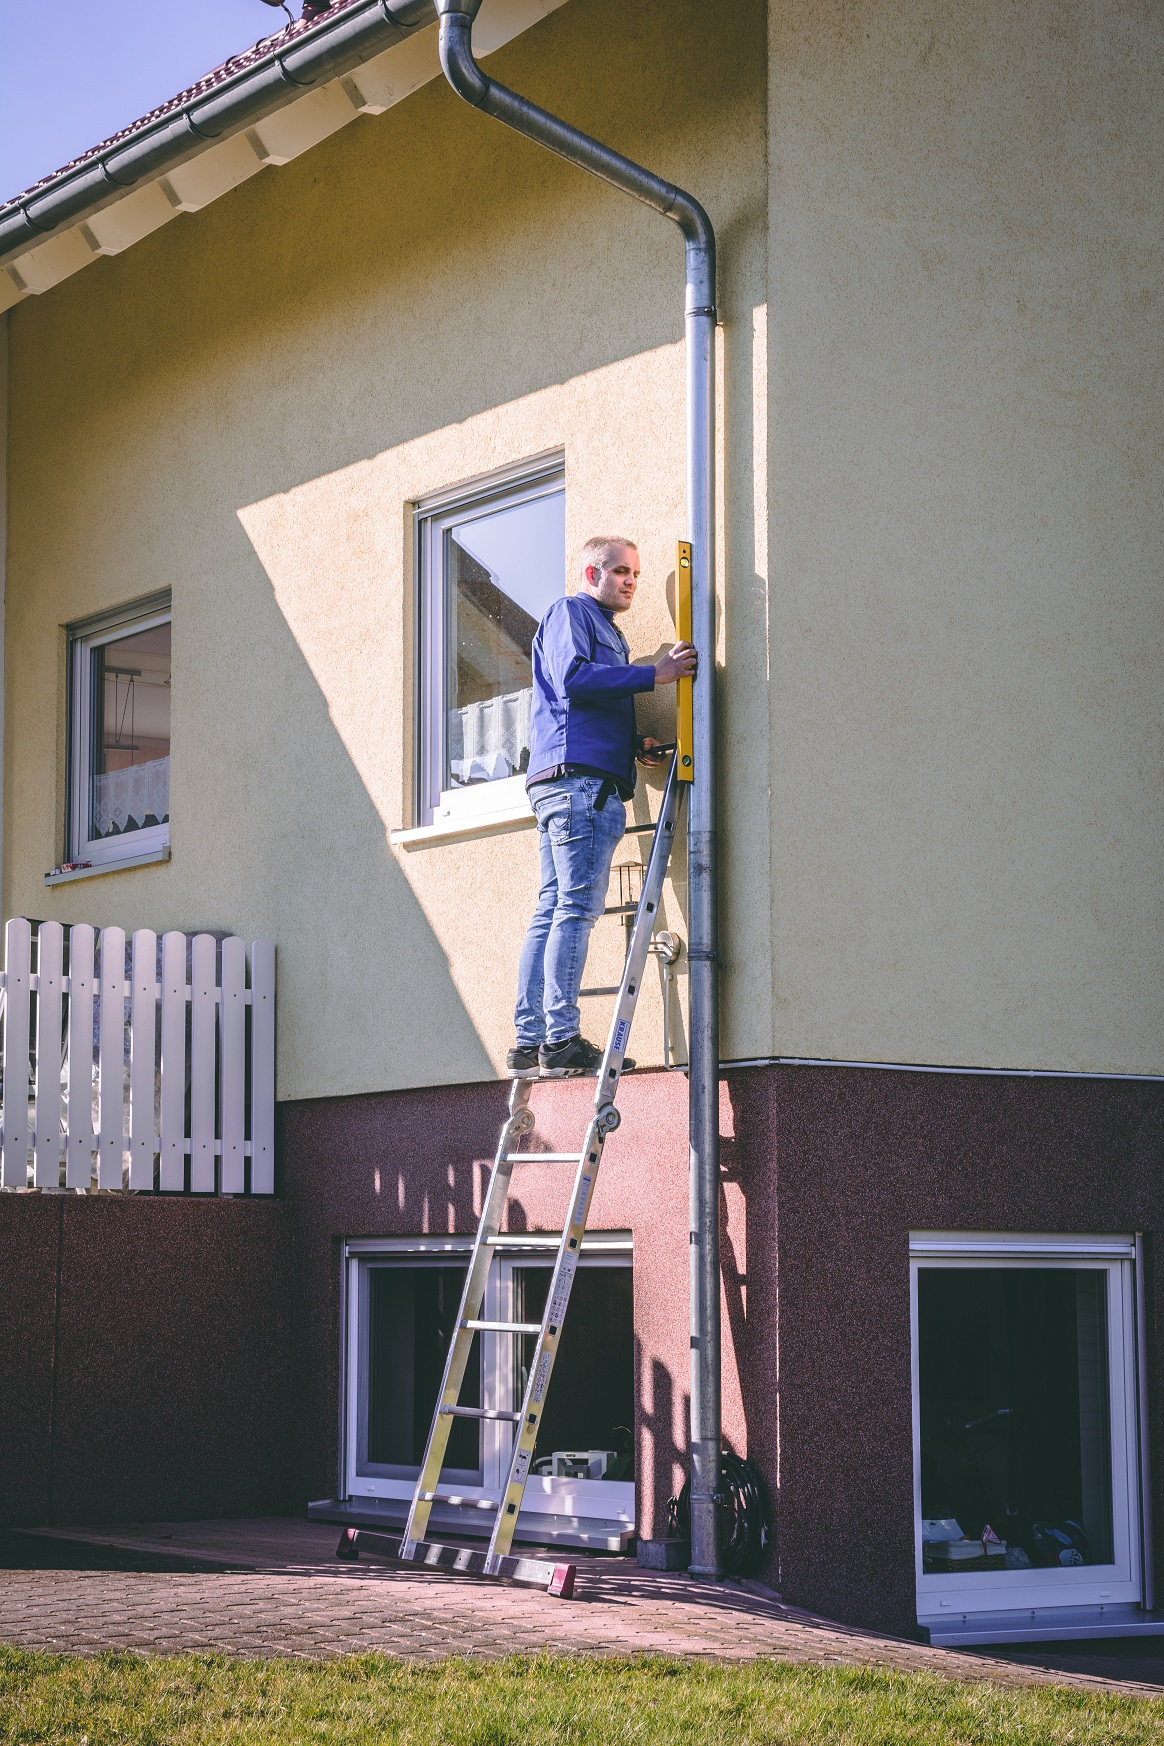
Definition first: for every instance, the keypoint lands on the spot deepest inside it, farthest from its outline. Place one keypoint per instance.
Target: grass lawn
(527, 1701)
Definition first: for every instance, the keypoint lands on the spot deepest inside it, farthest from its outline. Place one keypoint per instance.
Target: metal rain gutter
(468, 80)
(335, 47)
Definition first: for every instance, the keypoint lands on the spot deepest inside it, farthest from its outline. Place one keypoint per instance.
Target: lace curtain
(123, 800)
(489, 740)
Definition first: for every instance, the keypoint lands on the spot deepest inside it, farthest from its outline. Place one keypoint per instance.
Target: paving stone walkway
(274, 1587)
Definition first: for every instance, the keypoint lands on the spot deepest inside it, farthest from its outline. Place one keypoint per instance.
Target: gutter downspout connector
(484, 93)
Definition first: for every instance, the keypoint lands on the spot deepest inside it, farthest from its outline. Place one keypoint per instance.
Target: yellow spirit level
(684, 724)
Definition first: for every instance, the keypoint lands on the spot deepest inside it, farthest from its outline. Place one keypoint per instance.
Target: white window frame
(611, 1501)
(84, 637)
(434, 517)
(941, 1598)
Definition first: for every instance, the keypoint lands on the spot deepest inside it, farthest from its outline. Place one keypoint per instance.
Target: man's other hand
(679, 664)
(647, 755)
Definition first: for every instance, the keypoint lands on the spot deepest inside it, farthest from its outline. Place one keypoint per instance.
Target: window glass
(503, 568)
(129, 751)
(1015, 1419)
(412, 1312)
(586, 1430)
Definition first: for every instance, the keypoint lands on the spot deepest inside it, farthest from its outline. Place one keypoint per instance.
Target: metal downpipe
(475, 86)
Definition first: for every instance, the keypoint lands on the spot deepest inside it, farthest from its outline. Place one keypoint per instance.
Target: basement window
(403, 1296)
(1026, 1428)
(119, 735)
(491, 558)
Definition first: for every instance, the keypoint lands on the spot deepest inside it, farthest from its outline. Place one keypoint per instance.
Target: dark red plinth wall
(144, 1360)
(826, 1171)
(178, 1357)
(859, 1158)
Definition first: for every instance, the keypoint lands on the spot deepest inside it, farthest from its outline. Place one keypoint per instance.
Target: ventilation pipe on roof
(468, 80)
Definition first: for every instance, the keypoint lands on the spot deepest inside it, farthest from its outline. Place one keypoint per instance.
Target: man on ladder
(583, 746)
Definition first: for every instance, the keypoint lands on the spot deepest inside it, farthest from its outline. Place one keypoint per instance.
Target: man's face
(614, 585)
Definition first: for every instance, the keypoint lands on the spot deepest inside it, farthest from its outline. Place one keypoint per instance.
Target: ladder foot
(349, 1547)
(562, 1581)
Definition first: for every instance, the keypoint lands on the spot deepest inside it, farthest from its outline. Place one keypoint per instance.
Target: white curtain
(123, 799)
(489, 740)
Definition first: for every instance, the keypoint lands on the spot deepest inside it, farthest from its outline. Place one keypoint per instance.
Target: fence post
(172, 1171)
(202, 1032)
(79, 1103)
(232, 1070)
(262, 1066)
(17, 989)
(143, 1009)
(111, 1060)
(46, 1168)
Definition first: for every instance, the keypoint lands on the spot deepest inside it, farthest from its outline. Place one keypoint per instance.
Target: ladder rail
(520, 1120)
(646, 916)
(541, 1367)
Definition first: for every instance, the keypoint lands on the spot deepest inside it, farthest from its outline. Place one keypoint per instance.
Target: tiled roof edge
(231, 98)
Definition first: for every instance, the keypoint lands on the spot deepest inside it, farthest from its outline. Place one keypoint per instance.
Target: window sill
(147, 858)
(446, 830)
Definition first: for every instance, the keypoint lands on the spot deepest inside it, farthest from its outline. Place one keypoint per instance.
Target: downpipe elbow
(456, 50)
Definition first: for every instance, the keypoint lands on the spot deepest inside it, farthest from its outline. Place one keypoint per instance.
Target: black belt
(608, 787)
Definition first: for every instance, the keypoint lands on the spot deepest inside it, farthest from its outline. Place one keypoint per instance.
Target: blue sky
(74, 71)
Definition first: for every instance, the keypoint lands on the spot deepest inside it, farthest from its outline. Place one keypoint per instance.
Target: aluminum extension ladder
(498, 1560)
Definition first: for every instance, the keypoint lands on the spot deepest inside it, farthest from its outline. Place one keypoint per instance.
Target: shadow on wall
(661, 1463)
(366, 994)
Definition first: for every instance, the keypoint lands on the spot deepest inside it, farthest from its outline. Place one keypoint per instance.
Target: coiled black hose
(743, 1515)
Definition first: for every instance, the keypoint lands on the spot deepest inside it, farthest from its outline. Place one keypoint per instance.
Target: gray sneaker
(523, 1063)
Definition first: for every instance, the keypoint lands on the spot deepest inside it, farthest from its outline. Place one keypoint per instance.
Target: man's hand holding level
(679, 664)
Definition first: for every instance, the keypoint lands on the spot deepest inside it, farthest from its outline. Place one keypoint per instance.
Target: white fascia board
(213, 173)
(10, 292)
(291, 131)
(50, 262)
(277, 139)
(397, 73)
(119, 226)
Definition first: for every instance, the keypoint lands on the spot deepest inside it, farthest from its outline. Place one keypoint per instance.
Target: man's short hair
(598, 550)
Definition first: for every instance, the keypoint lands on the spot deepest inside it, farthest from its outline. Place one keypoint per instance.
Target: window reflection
(412, 1313)
(586, 1431)
(502, 570)
(130, 748)
(1015, 1419)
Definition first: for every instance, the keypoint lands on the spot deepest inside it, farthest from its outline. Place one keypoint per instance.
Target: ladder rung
(586, 993)
(541, 1158)
(647, 830)
(504, 1327)
(457, 1497)
(460, 1412)
(621, 909)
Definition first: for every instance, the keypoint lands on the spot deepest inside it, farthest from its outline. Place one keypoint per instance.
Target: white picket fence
(149, 1062)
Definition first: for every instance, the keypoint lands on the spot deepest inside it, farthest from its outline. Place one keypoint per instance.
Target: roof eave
(327, 51)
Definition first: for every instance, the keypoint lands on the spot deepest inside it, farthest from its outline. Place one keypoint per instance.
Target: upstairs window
(491, 559)
(119, 753)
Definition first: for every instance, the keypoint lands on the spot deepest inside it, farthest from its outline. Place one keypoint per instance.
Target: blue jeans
(577, 844)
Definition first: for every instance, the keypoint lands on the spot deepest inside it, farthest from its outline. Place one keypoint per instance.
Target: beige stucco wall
(243, 407)
(941, 525)
(967, 530)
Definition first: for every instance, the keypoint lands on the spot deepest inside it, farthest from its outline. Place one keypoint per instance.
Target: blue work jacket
(584, 685)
